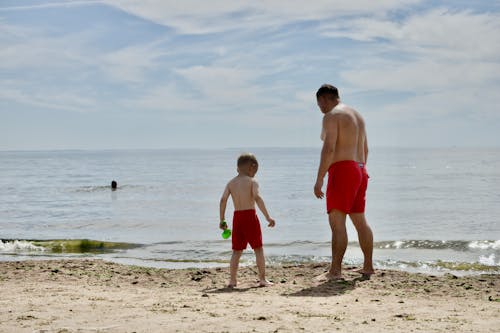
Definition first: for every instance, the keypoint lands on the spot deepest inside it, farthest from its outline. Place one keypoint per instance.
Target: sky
(154, 74)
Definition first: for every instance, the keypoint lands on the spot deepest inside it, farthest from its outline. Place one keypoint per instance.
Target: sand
(98, 296)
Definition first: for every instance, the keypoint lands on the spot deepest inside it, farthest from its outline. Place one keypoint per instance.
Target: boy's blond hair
(247, 158)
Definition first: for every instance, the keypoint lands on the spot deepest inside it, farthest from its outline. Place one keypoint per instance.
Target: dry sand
(98, 296)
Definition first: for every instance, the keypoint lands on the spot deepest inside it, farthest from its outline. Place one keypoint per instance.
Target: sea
(435, 211)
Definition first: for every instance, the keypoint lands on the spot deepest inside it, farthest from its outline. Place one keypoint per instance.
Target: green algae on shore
(83, 246)
(78, 245)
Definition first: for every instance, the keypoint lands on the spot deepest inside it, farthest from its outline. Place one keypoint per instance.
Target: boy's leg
(233, 267)
(365, 238)
(339, 242)
(261, 266)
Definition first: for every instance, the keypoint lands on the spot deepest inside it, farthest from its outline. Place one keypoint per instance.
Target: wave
(441, 266)
(63, 246)
(189, 254)
(430, 267)
(101, 188)
(89, 189)
(460, 245)
(19, 246)
(87, 245)
(457, 245)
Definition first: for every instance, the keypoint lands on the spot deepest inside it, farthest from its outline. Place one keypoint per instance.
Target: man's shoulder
(334, 116)
(345, 111)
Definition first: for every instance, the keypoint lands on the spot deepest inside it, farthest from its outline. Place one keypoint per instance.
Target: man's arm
(366, 150)
(260, 203)
(223, 204)
(330, 125)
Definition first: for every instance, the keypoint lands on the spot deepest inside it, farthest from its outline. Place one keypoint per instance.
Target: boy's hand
(271, 222)
(223, 225)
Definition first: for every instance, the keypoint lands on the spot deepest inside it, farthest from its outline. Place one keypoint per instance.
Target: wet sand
(98, 296)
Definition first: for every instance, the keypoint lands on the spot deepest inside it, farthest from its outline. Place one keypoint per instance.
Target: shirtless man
(244, 190)
(344, 156)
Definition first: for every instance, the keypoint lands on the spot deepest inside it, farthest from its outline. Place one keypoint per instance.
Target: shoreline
(459, 257)
(82, 295)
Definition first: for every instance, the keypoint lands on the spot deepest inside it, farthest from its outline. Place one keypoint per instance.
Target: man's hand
(317, 189)
(271, 222)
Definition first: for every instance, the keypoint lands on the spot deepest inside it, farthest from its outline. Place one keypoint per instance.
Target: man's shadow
(324, 289)
(329, 288)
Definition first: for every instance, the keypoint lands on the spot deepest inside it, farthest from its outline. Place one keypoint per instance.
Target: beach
(82, 295)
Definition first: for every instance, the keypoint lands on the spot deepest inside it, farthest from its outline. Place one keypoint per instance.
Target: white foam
(488, 260)
(485, 245)
(398, 244)
(19, 246)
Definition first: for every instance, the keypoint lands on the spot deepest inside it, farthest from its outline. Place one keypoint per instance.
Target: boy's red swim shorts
(246, 229)
(346, 189)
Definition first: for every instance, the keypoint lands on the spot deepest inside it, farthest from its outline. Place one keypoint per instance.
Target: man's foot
(265, 283)
(231, 285)
(328, 277)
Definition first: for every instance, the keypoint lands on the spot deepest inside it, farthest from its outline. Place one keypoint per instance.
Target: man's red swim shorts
(246, 230)
(346, 189)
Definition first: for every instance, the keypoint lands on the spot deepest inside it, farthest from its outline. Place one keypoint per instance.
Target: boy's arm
(260, 203)
(222, 205)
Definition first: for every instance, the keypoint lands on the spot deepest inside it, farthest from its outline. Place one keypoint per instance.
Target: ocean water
(432, 210)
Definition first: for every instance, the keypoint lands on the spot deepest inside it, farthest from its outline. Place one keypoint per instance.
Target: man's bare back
(350, 142)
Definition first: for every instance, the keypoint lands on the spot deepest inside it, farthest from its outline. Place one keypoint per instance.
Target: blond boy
(244, 190)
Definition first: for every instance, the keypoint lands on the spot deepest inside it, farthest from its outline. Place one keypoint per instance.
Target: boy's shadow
(225, 290)
(242, 288)
(329, 288)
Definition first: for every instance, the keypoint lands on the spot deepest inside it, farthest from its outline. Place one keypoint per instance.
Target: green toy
(227, 232)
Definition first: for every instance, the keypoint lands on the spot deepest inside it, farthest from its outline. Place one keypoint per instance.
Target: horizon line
(235, 148)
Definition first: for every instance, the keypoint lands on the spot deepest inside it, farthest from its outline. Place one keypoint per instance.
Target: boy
(244, 191)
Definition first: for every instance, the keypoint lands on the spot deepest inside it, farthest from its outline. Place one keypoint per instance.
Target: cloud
(222, 85)
(420, 76)
(71, 3)
(130, 64)
(27, 49)
(209, 66)
(437, 32)
(446, 60)
(45, 98)
(202, 17)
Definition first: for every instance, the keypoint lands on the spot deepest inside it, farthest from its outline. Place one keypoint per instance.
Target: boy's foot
(328, 277)
(231, 285)
(265, 283)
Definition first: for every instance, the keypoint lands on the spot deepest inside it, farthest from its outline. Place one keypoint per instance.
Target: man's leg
(261, 266)
(365, 238)
(233, 267)
(339, 242)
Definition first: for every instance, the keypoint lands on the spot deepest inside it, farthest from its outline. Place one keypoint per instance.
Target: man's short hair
(247, 158)
(327, 90)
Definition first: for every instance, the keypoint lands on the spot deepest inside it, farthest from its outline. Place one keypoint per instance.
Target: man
(344, 156)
